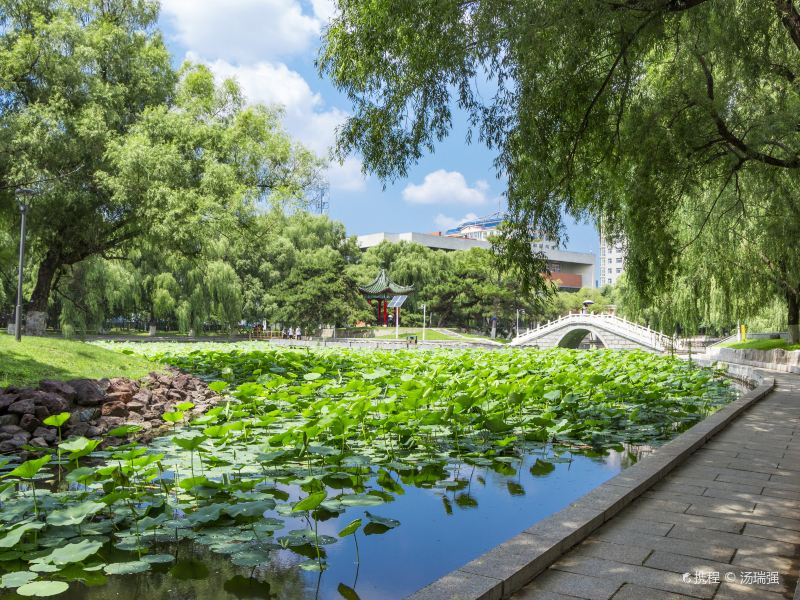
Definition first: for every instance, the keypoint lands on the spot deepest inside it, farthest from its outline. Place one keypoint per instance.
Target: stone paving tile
(630, 591)
(756, 498)
(571, 584)
(686, 564)
(732, 591)
(732, 540)
(771, 533)
(624, 553)
(637, 525)
(736, 505)
(715, 523)
(733, 506)
(624, 573)
(678, 546)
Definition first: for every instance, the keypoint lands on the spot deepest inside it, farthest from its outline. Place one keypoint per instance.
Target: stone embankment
(96, 407)
(787, 361)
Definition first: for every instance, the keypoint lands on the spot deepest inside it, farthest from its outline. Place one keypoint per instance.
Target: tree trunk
(793, 313)
(36, 313)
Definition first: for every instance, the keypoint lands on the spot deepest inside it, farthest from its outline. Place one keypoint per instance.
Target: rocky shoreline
(96, 407)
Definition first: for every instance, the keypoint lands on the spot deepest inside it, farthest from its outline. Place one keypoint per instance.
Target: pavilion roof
(384, 288)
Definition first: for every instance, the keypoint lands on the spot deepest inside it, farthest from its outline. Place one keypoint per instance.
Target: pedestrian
(298, 334)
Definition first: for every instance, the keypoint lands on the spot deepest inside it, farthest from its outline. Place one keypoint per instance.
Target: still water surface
(440, 530)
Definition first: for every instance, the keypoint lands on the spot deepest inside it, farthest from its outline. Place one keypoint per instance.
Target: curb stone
(508, 567)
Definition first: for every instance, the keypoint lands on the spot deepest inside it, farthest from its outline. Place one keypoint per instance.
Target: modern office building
(573, 270)
(612, 259)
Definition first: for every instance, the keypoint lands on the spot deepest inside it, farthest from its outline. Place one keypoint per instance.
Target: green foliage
(673, 123)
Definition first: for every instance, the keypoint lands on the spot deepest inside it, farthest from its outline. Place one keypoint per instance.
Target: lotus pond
(335, 473)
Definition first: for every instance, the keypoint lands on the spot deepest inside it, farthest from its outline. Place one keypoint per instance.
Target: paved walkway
(731, 511)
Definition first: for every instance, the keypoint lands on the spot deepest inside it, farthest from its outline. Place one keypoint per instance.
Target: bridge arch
(573, 337)
(612, 331)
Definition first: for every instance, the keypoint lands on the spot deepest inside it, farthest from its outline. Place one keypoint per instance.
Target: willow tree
(74, 75)
(641, 113)
(119, 147)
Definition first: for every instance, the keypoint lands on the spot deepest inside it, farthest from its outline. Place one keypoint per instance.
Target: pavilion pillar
(385, 319)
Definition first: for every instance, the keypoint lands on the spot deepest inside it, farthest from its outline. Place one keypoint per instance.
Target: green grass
(36, 358)
(762, 345)
(387, 333)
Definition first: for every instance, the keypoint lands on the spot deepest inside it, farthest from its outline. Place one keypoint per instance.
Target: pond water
(441, 530)
(340, 474)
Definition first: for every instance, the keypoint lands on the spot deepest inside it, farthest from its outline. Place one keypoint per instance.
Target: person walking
(297, 333)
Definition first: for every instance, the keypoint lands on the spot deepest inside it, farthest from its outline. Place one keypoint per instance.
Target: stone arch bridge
(611, 331)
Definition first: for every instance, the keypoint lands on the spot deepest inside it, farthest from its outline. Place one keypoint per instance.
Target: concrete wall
(775, 360)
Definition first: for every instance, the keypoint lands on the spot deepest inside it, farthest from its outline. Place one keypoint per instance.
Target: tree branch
(790, 19)
(736, 145)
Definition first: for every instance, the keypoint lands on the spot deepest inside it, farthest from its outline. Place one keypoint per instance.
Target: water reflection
(449, 515)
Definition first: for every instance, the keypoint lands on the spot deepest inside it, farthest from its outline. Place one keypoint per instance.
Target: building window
(619, 270)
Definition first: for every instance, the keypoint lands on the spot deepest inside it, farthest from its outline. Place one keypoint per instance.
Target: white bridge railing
(633, 331)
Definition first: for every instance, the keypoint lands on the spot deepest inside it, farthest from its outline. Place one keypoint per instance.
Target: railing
(638, 333)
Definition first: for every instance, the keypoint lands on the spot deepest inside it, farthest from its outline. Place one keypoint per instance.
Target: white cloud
(444, 222)
(306, 116)
(347, 176)
(324, 9)
(446, 187)
(246, 30)
(249, 40)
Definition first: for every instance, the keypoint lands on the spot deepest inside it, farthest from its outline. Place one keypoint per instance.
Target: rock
(22, 435)
(29, 423)
(86, 430)
(21, 407)
(5, 436)
(176, 395)
(39, 442)
(134, 417)
(47, 434)
(88, 414)
(136, 407)
(12, 429)
(54, 403)
(120, 396)
(114, 409)
(9, 446)
(9, 420)
(88, 392)
(109, 423)
(143, 396)
(7, 400)
(41, 413)
(60, 388)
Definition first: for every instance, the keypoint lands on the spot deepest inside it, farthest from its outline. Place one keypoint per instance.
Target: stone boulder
(88, 392)
(59, 388)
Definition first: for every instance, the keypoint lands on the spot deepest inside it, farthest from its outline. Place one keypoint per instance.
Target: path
(466, 338)
(732, 507)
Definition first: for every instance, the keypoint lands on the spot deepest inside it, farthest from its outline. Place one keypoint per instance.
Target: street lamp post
(22, 195)
(519, 310)
(424, 307)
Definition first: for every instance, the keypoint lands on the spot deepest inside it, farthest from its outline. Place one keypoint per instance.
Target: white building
(612, 260)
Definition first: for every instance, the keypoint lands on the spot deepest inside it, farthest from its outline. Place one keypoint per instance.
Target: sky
(269, 47)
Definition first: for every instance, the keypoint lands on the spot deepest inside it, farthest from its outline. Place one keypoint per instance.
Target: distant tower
(612, 259)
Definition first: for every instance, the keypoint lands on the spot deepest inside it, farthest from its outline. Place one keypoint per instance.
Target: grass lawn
(387, 333)
(37, 358)
(762, 345)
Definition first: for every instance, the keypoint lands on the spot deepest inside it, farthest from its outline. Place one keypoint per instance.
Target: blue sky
(269, 46)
